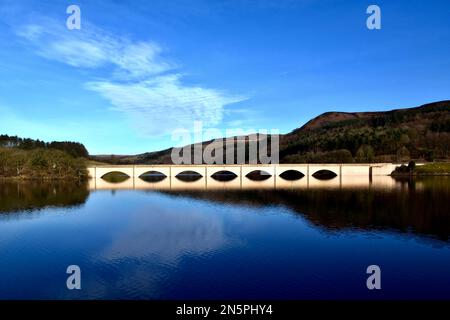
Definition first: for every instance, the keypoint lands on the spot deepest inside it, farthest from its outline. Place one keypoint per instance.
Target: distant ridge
(335, 116)
(421, 133)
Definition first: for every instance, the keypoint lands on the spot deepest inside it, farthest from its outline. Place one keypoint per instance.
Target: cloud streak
(92, 48)
(162, 102)
(141, 83)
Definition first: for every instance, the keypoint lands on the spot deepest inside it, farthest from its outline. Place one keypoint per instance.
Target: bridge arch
(224, 175)
(177, 169)
(152, 176)
(189, 176)
(321, 170)
(115, 176)
(100, 172)
(258, 175)
(325, 174)
(139, 170)
(291, 175)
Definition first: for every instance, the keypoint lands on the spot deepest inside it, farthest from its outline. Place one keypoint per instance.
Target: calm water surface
(291, 243)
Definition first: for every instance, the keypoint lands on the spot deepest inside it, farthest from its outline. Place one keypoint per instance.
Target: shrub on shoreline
(40, 164)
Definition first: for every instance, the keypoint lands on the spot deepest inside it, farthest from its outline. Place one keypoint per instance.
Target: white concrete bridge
(347, 176)
(308, 170)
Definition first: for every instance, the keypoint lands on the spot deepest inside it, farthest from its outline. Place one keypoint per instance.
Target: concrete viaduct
(308, 170)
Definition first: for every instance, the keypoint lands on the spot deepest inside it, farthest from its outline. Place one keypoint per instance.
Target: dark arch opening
(152, 176)
(115, 177)
(291, 175)
(324, 174)
(224, 175)
(189, 176)
(258, 175)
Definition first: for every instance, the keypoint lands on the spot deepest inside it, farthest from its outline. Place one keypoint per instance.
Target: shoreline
(420, 174)
(423, 170)
(26, 178)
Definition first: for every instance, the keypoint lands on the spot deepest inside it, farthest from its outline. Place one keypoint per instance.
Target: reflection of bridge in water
(345, 176)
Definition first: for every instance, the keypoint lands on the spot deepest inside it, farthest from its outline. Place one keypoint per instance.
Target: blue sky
(138, 70)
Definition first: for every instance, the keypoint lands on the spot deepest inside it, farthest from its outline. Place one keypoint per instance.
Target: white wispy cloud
(142, 83)
(138, 60)
(91, 47)
(162, 103)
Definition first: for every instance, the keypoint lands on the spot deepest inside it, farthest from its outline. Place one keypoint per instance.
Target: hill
(29, 159)
(419, 133)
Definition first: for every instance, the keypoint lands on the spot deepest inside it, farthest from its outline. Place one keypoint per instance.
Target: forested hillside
(421, 133)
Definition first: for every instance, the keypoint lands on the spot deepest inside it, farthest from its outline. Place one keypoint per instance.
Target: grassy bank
(40, 164)
(428, 169)
(442, 168)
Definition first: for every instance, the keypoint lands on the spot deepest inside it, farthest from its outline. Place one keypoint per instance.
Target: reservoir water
(194, 240)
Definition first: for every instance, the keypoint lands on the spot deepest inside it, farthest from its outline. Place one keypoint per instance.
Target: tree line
(75, 149)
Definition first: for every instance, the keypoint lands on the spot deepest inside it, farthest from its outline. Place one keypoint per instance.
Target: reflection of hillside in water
(418, 206)
(33, 194)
